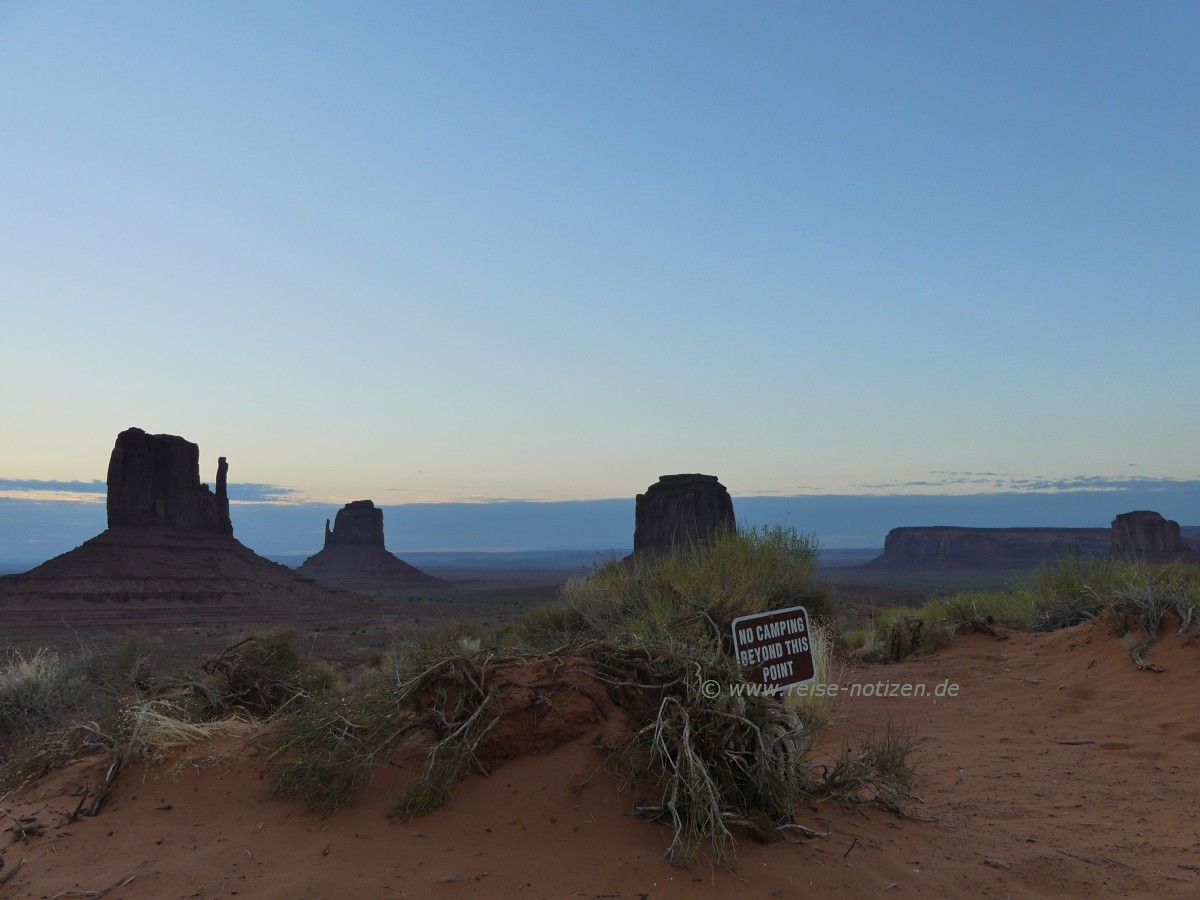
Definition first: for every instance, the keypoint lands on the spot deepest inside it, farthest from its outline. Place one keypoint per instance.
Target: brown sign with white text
(773, 648)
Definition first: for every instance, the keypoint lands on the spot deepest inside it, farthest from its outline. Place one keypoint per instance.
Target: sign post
(774, 648)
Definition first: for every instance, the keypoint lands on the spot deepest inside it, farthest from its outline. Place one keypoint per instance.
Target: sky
(473, 252)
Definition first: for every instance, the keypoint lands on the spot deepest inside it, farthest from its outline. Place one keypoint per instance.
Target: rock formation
(679, 510)
(946, 547)
(154, 480)
(168, 558)
(357, 524)
(355, 557)
(1144, 534)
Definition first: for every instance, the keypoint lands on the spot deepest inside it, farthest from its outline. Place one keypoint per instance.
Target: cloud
(71, 487)
(993, 482)
(248, 492)
(96, 490)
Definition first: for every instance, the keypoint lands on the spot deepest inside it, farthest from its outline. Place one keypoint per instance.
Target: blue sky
(548, 251)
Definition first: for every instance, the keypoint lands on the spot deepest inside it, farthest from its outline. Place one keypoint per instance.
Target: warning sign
(773, 647)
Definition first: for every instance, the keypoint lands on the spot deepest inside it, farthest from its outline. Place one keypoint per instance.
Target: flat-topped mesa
(949, 547)
(679, 510)
(357, 524)
(154, 481)
(1144, 534)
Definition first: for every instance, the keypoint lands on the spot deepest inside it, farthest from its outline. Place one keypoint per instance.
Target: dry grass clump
(122, 729)
(134, 662)
(40, 689)
(57, 708)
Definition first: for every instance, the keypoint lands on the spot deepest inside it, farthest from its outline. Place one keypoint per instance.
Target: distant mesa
(355, 557)
(1141, 534)
(1144, 534)
(167, 555)
(679, 510)
(952, 548)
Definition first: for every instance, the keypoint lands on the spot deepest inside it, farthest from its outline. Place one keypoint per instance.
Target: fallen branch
(7, 876)
(1104, 860)
(453, 879)
(94, 894)
(1139, 658)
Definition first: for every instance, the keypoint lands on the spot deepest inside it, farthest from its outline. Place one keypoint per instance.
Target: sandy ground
(1058, 770)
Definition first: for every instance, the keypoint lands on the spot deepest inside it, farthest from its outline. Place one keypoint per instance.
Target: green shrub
(692, 594)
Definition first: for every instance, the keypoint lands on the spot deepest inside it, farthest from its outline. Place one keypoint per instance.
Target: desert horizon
(34, 531)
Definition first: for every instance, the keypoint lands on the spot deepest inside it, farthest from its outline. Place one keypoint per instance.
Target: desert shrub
(417, 651)
(692, 594)
(1062, 595)
(875, 767)
(324, 752)
(262, 674)
(55, 708)
(1142, 595)
(134, 661)
(704, 764)
(460, 712)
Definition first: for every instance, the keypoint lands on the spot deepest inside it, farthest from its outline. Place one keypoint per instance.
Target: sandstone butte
(355, 558)
(678, 510)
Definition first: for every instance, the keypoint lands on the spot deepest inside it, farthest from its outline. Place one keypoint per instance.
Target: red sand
(1059, 770)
